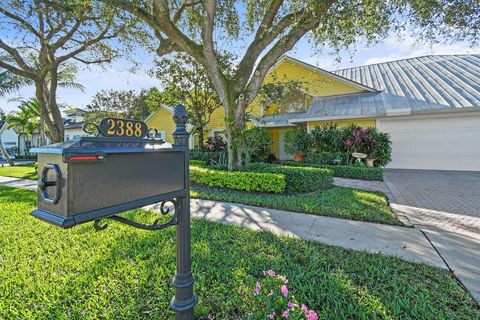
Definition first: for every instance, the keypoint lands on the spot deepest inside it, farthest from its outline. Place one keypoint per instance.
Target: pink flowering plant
(276, 302)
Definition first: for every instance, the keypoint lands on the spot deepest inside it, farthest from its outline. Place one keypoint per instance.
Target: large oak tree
(262, 31)
(39, 36)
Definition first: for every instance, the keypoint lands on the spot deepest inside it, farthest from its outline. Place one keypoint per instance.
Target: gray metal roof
(450, 80)
(279, 119)
(364, 105)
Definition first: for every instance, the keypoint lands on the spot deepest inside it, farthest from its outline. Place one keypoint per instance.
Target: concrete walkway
(18, 183)
(407, 243)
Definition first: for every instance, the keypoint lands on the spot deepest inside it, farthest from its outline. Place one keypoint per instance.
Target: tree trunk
(201, 138)
(237, 146)
(5, 154)
(54, 132)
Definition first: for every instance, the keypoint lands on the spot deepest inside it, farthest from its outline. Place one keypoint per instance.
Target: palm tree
(27, 120)
(10, 82)
(3, 152)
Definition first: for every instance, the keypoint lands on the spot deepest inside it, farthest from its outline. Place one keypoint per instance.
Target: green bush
(238, 180)
(198, 163)
(258, 144)
(207, 156)
(363, 173)
(317, 157)
(297, 141)
(298, 179)
(326, 138)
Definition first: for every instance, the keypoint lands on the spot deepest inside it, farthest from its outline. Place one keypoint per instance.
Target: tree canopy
(260, 32)
(39, 36)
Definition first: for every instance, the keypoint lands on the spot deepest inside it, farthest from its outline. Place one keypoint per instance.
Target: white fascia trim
(302, 120)
(279, 125)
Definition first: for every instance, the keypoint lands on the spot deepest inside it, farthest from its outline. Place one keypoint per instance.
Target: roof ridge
(410, 58)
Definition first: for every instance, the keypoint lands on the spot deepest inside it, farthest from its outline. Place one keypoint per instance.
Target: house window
(160, 135)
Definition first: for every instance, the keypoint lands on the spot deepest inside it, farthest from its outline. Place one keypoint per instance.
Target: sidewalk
(407, 243)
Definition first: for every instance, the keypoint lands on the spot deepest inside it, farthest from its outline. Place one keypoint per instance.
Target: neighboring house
(429, 105)
(9, 137)
(74, 121)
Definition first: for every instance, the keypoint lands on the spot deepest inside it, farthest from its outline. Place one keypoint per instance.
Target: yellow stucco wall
(365, 123)
(162, 121)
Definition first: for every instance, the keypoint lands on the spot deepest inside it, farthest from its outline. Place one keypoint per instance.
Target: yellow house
(430, 107)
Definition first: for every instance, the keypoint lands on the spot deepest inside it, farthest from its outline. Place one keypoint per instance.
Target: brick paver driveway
(445, 205)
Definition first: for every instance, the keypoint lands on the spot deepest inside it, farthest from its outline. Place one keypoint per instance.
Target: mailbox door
(126, 177)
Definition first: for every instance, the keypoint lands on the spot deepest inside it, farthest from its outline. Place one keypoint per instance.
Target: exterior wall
(365, 123)
(217, 120)
(162, 121)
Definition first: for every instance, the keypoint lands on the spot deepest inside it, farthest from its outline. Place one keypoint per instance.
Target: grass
(337, 202)
(125, 273)
(20, 171)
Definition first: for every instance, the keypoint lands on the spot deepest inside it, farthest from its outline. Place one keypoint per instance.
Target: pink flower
(312, 315)
(285, 314)
(283, 278)
(348, 143)
(270, 293)
(291, 305)
(304, 308)
(271, 315)
(270, 273)
(284, 290)
(257, 288)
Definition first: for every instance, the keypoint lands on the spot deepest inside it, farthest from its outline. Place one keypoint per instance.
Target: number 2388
(122, 128)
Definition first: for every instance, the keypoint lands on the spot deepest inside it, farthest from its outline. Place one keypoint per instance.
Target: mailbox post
(96, 178)
(184, 299)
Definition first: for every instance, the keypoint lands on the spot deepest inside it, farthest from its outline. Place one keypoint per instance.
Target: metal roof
(364, 105)
(279, 119)
(449, 80)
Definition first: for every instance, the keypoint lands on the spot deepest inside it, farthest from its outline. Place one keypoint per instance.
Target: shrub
(297, 141)
(208, 157)
(326, 157)
(298, 179)
(326, 138)
(198, 163)
(215, 143)
(364, 173)
(238, 180)
(383, 151)
(258, 144)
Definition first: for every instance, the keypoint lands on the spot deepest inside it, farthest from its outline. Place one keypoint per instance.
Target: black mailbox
(121, 169)
(96, 177)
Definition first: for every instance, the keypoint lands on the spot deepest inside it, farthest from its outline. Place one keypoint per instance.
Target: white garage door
(448, 143)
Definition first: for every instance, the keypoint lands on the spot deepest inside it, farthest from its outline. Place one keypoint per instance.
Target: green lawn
(336, 202)
(22, 171)
(125, 273)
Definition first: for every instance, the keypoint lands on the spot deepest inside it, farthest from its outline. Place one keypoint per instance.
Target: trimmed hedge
(363, 173)
(298, 179)
(198, 163)
(207, 156)
(238, 180)
(326, 158)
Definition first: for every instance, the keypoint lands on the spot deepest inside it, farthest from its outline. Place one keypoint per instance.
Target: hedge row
(198, 163)
(326, 158)
(364, 173)
(238, 180)
(298, 179)
(208, 157)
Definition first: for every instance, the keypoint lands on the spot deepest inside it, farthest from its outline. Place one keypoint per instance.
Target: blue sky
(118, 77)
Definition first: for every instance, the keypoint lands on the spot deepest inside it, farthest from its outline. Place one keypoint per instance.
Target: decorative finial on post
(180, 117)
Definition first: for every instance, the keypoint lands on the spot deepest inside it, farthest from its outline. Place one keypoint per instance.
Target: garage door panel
(438, 143)
(429, 125)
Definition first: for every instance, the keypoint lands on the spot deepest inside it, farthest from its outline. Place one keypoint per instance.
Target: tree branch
(16, 70)
(15, 56)
(182, 8)
(98, 61)
(268, 18)
(23, 22)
